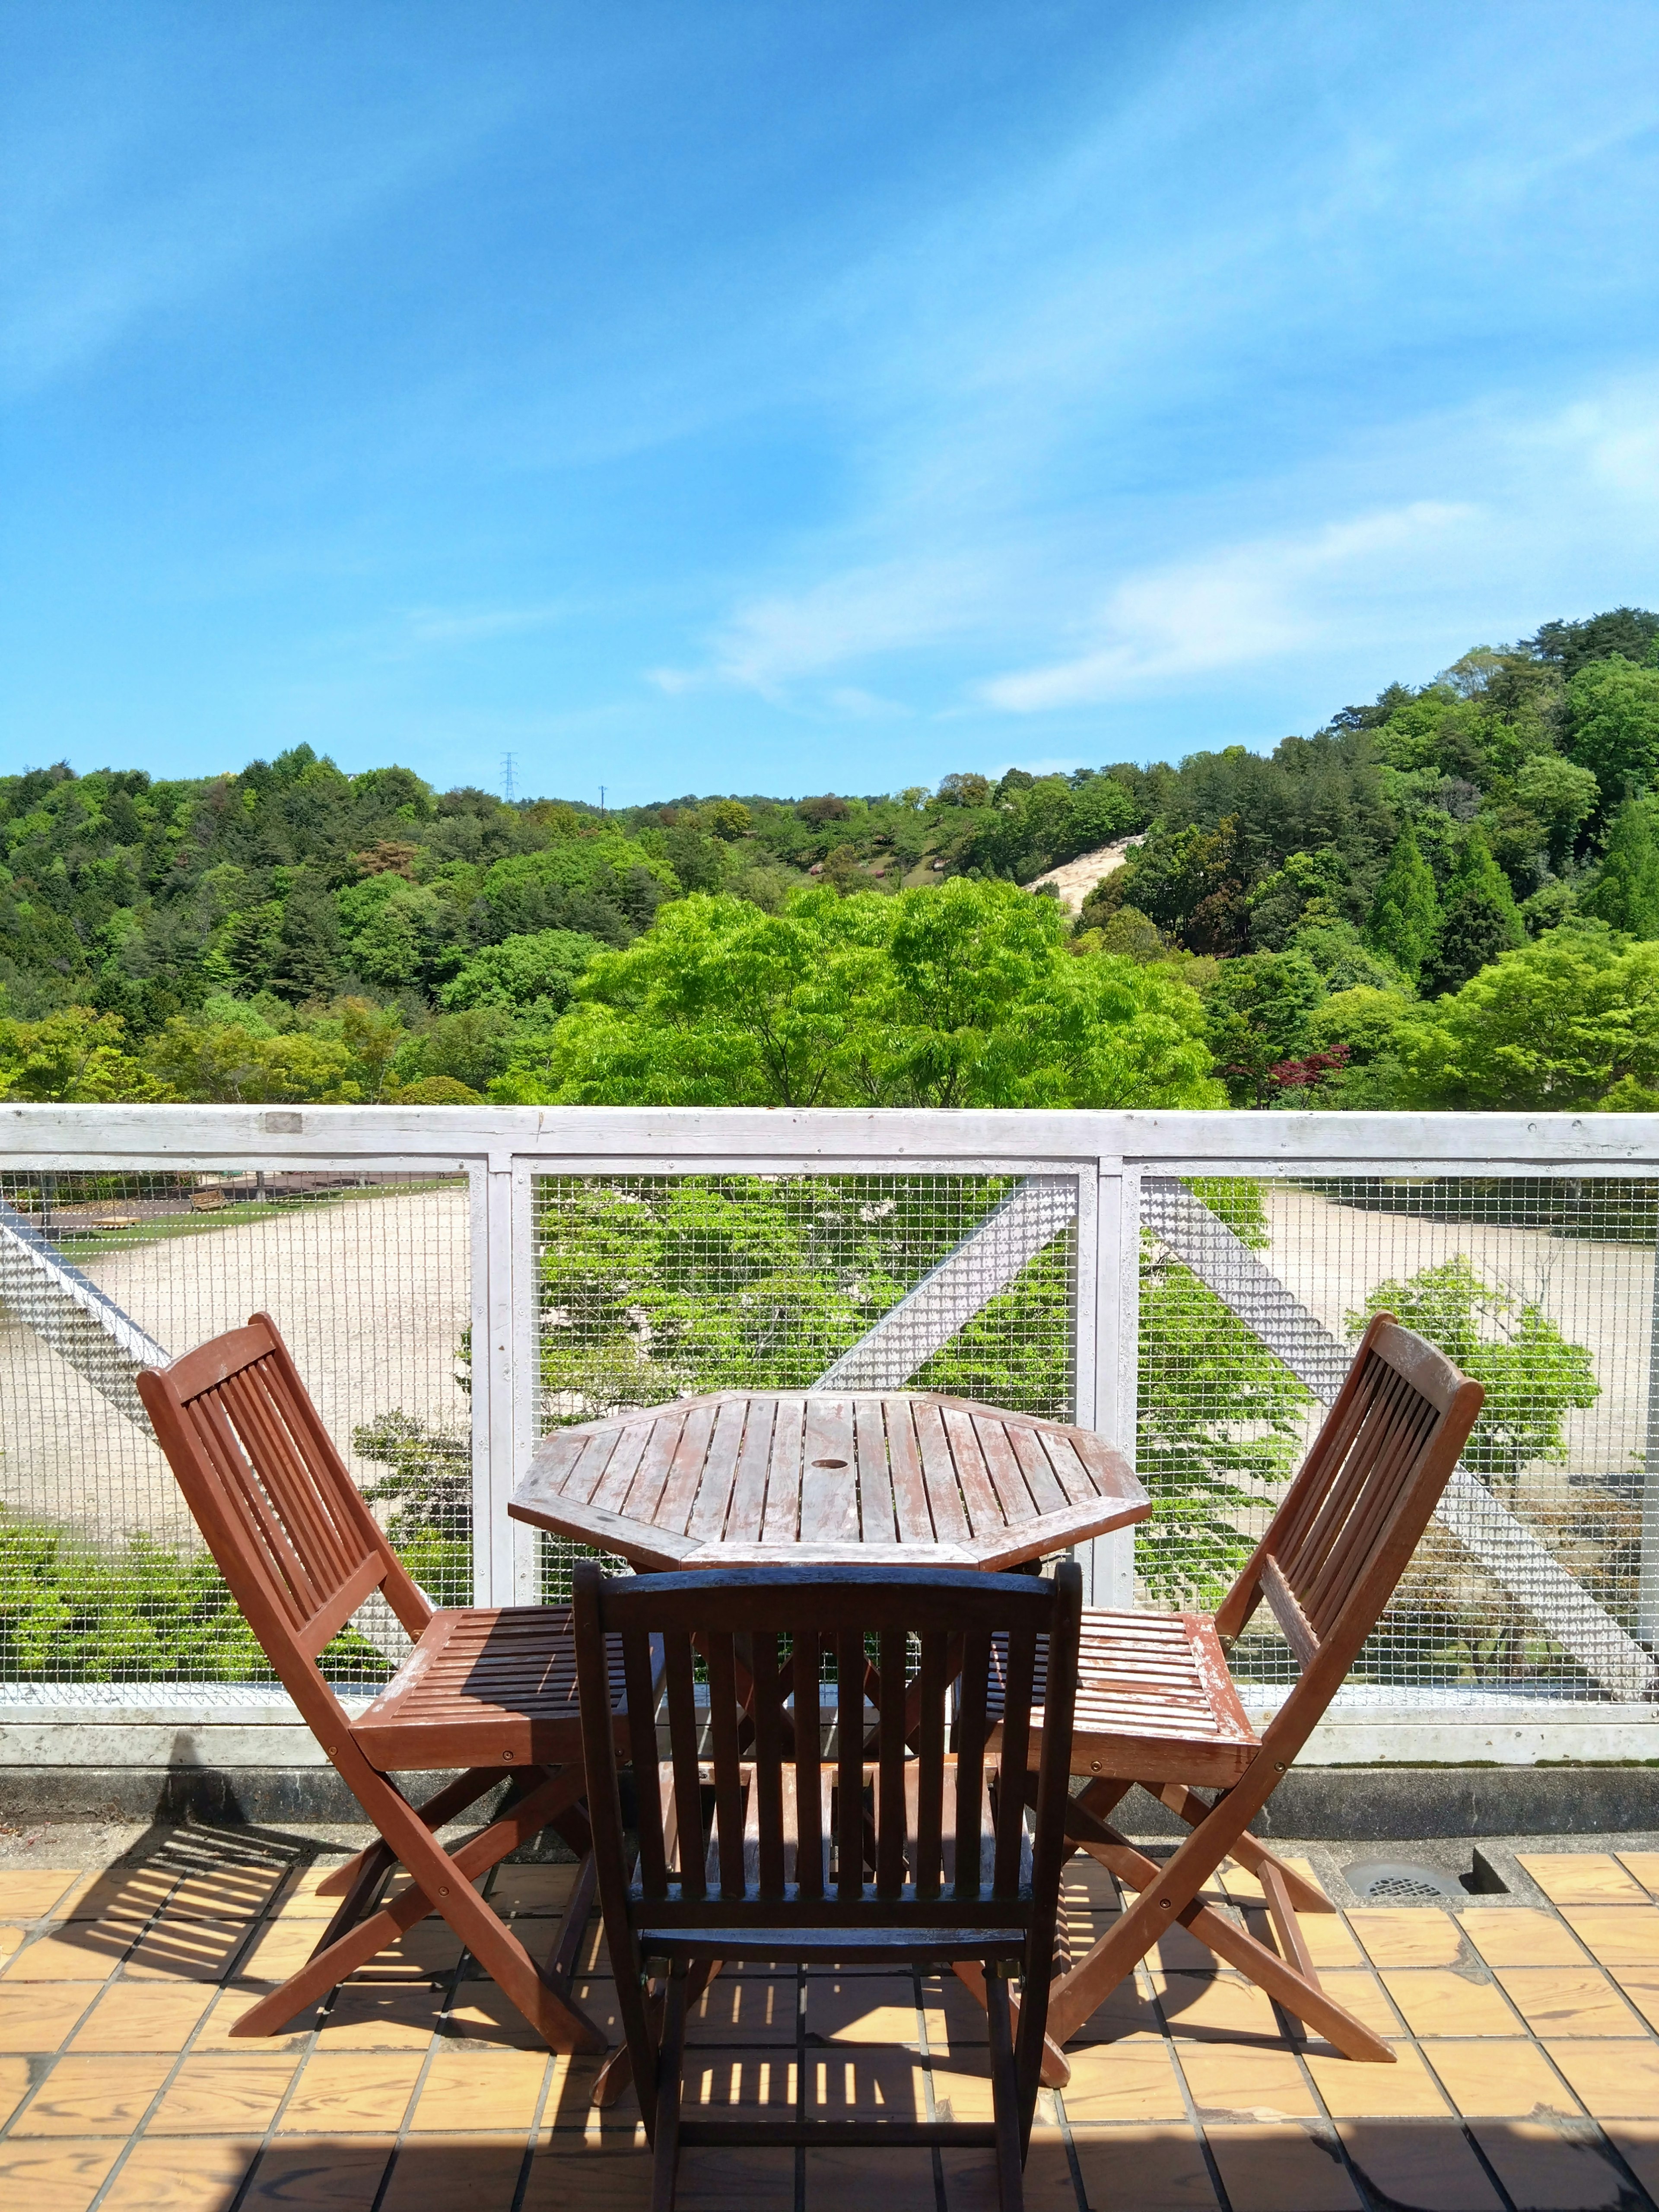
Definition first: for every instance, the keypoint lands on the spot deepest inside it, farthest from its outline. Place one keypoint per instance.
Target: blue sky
(790, 398)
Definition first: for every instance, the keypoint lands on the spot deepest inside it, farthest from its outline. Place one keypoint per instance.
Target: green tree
(1626, 892)
(1612, 727)
(957, 995)
(1562, 1023)
(1480, 920)
(1257, 1013)
(1561, 794)
(543, 965)
(1404, 915)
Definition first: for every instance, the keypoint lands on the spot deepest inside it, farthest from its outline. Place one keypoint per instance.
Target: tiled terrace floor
(1528, 2073)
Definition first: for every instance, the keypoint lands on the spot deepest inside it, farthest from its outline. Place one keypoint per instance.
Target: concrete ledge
(1329, 1804)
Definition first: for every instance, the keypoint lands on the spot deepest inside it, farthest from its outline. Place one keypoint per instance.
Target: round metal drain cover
(1402, 1882)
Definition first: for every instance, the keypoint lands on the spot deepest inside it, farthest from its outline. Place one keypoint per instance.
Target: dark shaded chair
(865, 1853)
(492, 1690)
(1156, 1705)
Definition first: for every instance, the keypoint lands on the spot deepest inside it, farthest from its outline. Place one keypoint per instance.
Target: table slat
(782, 1522)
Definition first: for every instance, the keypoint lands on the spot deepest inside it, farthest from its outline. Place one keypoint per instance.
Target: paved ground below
(1526, 2025)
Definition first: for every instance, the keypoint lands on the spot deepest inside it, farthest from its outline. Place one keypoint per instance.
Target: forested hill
(1449, 897)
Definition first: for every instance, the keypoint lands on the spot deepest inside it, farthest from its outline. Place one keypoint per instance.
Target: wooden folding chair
(489, 1689)
(898, 1868)
(1155, 1703)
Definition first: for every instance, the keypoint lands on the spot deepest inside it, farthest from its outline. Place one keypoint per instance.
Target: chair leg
(1056, 2066)
(454, 1797)
(1076, 1995)
(1004, 2097)
(671, 2066)
(443, 1882)
(617, 2070)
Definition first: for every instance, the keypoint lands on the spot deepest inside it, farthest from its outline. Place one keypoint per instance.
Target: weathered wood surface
(742, 1478)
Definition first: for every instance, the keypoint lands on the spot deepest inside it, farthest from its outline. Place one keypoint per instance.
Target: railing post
(1112, 1358)
(493, 1362)
(1647, 1587)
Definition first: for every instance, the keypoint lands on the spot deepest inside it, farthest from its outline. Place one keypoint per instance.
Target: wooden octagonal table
(894, 1477)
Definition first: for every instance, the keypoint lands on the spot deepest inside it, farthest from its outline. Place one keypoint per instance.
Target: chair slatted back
(273, 1497)
(1349, 1523)
(803, 1836)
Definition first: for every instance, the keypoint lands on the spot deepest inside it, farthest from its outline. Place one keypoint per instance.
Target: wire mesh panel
(653, 1287)
(1541, 1288)
(102, 1574)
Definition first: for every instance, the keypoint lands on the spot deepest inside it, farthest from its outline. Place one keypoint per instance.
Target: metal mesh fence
(103, 1577)
(1528, 1581)
(652, 1287)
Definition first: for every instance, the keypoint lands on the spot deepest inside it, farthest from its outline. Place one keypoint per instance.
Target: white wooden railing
(1109, 1177)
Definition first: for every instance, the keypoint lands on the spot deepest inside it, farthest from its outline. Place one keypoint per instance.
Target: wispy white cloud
(1244, 602)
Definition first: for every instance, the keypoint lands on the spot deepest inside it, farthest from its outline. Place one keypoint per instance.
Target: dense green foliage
(75, 1610)
(1295, 923)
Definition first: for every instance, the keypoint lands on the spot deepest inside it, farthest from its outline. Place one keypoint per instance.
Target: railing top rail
(683, 1138)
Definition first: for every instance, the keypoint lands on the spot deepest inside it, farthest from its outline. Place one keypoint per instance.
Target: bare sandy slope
(1598, 1295)
(1075, 879)
(372, 1292)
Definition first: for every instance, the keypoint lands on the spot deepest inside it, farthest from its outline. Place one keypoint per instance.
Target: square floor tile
(1134, 2079)
(1521, 1936)
(323, 2177)
(1435, 2001)
(1644, 1865)
(481, 2012)
(1237, 2082)
(1426, 2164)
(970, 2180)
(351, 2093)
(736, 2008)
(37, 2015)
(226, 2008)
(954, 2017)
(1613, 2080)
(74, 1954)
(1408, 1936)
(1141, 2169)
(1361, 1992)
(380, 2020)
(1280, 2168)
(435, 2173)
(1567, 2000)
(1582, 1878)
(1360, 2089)
(219, 2096)
(1547, 2168)
(96, 2095)
(30, 1892)
(1330, 1940)
(124, 1894)
(764, 2081)
(1207, 2008)
(47, 2176)
(1615, 1935)
(142, 2016)
(163, 2175)
(486, 2091)
(533, 1889)
(1495, 2079)
(187, 1951)
(861, 2008)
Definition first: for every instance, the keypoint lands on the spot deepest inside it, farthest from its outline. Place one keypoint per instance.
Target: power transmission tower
(508, 792)
(601, 799)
